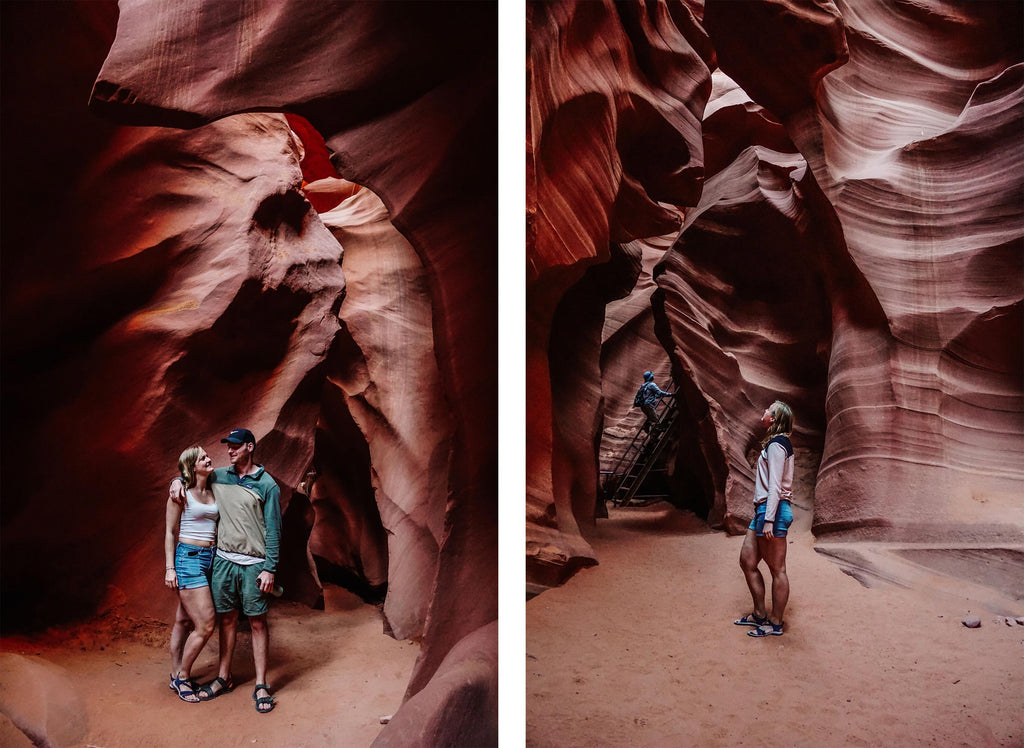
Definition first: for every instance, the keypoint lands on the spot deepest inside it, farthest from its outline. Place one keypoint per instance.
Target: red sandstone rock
(914, 143)
(387, 375)
(40, 699)
(422, 136)
(167, 283)
(459, 706)
(180, 242)
(855, 250)
(613, 104)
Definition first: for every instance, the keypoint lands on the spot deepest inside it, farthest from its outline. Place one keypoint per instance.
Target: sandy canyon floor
(334, 673)
(641, 651)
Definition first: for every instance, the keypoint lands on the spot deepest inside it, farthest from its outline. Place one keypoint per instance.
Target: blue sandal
(768, 629)
(752, 619)
(185, 688)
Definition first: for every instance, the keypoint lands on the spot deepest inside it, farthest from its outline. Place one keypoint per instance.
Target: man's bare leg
(228, 631)
(260, 647)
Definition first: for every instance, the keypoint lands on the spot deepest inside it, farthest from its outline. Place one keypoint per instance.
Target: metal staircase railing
(624, 480)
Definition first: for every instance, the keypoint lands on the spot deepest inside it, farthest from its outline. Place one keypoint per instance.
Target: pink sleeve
(776, 464)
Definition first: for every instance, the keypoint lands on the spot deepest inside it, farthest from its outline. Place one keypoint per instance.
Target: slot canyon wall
(849, 179)
(281, 216)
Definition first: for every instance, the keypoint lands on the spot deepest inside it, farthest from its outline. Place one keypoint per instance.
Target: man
(647, 399)
(242, 577)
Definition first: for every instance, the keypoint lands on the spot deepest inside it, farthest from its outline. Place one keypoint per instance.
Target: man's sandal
(752, 619)
(261, 700)
(185, 688)
(225, 686)
(768, 629)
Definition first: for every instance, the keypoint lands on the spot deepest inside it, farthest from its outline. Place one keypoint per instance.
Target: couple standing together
(221, 548)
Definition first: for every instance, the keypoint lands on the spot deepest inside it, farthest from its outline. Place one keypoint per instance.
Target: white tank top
(198, 521)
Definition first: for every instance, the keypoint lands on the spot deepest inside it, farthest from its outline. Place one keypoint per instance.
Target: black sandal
(752, 619)
(206, 692)
(260, 700)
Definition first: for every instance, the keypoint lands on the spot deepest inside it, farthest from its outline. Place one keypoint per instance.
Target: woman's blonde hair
(187, 465)
(783, 423)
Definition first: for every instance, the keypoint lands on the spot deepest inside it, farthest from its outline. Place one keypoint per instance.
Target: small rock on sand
(971, 622)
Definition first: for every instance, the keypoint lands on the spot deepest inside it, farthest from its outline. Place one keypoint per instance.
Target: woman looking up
(189, 540)
(766, 535)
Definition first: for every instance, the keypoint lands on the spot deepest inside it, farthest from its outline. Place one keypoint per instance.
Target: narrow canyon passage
(281, 217)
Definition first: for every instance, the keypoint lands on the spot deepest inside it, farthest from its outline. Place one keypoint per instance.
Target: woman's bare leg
(750, 557)
(179, 633)
(199, 605)
(774, 552)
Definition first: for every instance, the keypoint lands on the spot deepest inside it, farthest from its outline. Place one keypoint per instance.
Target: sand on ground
(641, 651)
(334, 673)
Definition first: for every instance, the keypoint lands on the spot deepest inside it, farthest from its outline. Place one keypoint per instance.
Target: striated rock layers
(188, 285)
(852, 244)
(746, 299)
(613, 130)
(915, 142)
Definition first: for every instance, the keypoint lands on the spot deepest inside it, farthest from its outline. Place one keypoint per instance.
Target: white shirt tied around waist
(198, 520)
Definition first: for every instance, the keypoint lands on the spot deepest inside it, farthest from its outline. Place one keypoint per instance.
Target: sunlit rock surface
(386, 374)
(746, 299)
(853, 246)
(915, 142)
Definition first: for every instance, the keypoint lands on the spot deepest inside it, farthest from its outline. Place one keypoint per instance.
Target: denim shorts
(235, 587)
(192, 565)
(783, 519)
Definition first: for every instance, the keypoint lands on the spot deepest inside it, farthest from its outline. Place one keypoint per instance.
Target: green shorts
(234, 587)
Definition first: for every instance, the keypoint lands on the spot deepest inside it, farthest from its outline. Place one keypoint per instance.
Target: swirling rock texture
(747, 304)
(851, 243)
(190, 287)
(628, 341)
(613, 129)
(915, 143)
(389, 382)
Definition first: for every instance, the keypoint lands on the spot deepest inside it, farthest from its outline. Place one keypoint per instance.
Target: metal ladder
(638, 459)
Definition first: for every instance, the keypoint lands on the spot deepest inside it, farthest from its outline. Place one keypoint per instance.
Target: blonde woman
(766, 535)
(189, 542)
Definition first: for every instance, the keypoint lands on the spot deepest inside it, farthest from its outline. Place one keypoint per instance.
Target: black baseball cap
(239, 436)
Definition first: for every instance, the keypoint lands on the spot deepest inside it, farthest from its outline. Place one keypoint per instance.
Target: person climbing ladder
(647, 398)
